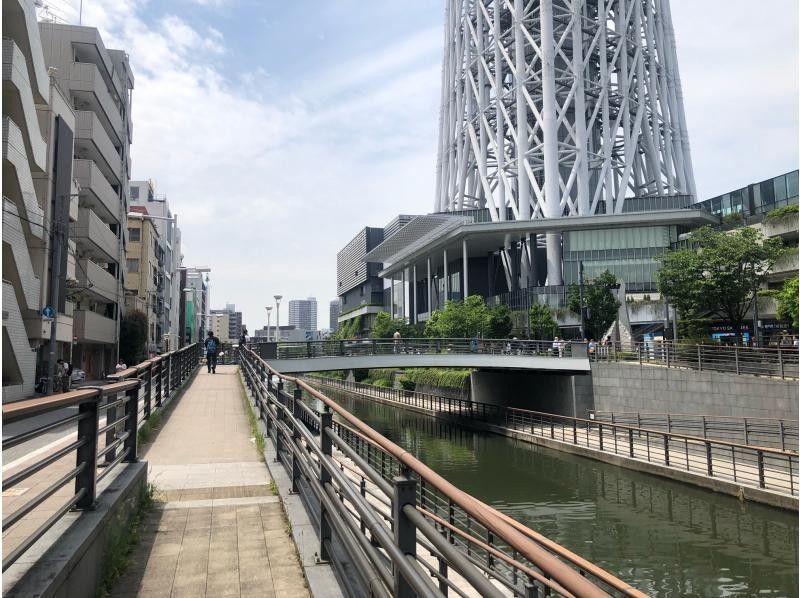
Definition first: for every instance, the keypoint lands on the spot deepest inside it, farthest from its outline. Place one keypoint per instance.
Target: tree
(384, 327)
(599, 301)
(787, 297)
(543, 325)
(498, 321)
(719, 275)
(133, 338)
(459, 319)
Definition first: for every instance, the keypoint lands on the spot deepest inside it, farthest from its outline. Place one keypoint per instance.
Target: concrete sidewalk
(217, 529)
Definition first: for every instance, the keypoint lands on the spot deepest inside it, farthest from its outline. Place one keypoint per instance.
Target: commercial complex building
(98, 83)
(168, 292)
(303, 313)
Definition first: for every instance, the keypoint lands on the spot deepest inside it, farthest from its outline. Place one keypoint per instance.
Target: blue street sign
(49, 312)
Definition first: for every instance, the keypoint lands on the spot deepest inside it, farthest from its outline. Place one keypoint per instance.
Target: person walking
(396, 337)
(212, 346)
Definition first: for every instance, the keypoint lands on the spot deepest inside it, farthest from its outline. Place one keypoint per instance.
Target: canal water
(663, 537)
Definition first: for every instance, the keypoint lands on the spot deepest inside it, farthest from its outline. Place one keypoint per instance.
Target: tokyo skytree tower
(559, 107)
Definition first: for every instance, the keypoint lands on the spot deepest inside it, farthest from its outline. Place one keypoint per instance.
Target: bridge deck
(217, 529)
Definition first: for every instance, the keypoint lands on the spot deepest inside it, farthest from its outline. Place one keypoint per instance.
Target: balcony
(22, 108)
(91, 327)
(785, 227)
(96, 193)
(93, 143)
(91, 93)
(97, 281)
(94, 237)
(15, 154)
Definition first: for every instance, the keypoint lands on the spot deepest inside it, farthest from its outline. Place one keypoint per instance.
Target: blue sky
(279, 129)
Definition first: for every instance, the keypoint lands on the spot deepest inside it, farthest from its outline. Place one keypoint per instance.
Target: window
(134, 234)
(134, 192)
(133, 265)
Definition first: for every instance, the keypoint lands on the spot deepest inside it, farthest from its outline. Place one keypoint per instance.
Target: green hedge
(446, 378)
(783, 212)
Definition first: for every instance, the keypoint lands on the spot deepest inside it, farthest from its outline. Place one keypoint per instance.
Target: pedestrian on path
(212, 346)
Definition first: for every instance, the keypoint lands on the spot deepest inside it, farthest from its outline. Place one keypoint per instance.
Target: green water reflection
(665, 538)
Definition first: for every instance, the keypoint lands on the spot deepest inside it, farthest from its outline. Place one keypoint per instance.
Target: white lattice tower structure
(559, 107)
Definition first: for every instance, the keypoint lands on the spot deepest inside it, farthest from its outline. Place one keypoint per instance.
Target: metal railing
(755, 466)
(391, 523)
(425, 346)
(107, 419)
(754, 431)
(778, 362)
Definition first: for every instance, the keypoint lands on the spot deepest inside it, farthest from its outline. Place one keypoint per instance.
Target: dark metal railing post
(278, 419)
(708, 459)
(263, 403)
(783, 435)
(148, 391)
(298, 396)
(159, 382)
(699, 359)
(761, 481)
(326, 446)
(736, 357)
(170, 380)
(87, 454)
(132, 425)
(111, 434)
(405, 533)
(780, 360)
(666, 450)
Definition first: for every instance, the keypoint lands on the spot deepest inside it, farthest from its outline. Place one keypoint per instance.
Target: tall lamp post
(269, 315)
(278, 317)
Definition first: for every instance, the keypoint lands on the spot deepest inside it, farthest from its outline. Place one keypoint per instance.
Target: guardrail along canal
(663, 537)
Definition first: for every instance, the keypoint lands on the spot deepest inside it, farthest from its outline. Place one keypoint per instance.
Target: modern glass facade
(629, 253)
(756, 199)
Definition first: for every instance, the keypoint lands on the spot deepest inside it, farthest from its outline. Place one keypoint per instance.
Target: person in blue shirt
(212, 347)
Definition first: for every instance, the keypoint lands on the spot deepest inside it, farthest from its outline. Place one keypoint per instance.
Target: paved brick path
(216, 530)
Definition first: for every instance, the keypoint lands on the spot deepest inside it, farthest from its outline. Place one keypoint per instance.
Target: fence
(778, 362)
(375, 506)
(426, 346)
(759, 467)
(753, 431)
(107, 421)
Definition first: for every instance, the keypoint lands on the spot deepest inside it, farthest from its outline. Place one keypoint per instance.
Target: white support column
(446, 280)
(520, 67)
(391, 296)
(404, 313)
(428, 284)
(465, 268)
(415, 319)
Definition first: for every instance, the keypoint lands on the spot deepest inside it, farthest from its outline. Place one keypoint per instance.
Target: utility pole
(55, 278)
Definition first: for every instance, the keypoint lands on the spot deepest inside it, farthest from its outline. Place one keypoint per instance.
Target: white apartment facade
(97, 83)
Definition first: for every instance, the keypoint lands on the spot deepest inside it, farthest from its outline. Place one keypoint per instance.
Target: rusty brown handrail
(489, 517)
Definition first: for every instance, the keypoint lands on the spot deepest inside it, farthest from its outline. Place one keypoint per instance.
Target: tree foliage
(599, 301)
(719, 276)
(133, 337)
(542, 324)
(787, 297)
(385, 326)
(468, 318)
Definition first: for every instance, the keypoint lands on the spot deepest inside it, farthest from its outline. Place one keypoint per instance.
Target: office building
(303, 313)
(144, 283)
(335, 310)
(194, 315)
(234, 320)
(220, 326)
(98, 83)
(143, 193)
(555, 109)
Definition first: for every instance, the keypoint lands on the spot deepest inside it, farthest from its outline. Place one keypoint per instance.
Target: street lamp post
(269, 314)
(278, 317)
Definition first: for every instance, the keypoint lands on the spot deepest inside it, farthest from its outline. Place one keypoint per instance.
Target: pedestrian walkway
(217, 529)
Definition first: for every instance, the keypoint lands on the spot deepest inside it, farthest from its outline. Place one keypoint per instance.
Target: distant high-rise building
(335, 310)
(234, 320)
(303, 313)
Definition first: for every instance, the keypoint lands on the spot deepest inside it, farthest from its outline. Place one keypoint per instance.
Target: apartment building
(143, 194)
(39, 196)
(303, 313)
(144, 283)
(97, 83)
(234, 319)
(333, 315)
(220, 326)
(194, 318)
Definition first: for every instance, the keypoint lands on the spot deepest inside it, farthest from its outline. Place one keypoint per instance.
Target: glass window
(133, 265)
(791, 184)
(134, 234)
(767, 194)
(780, 188)
(134, 192)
